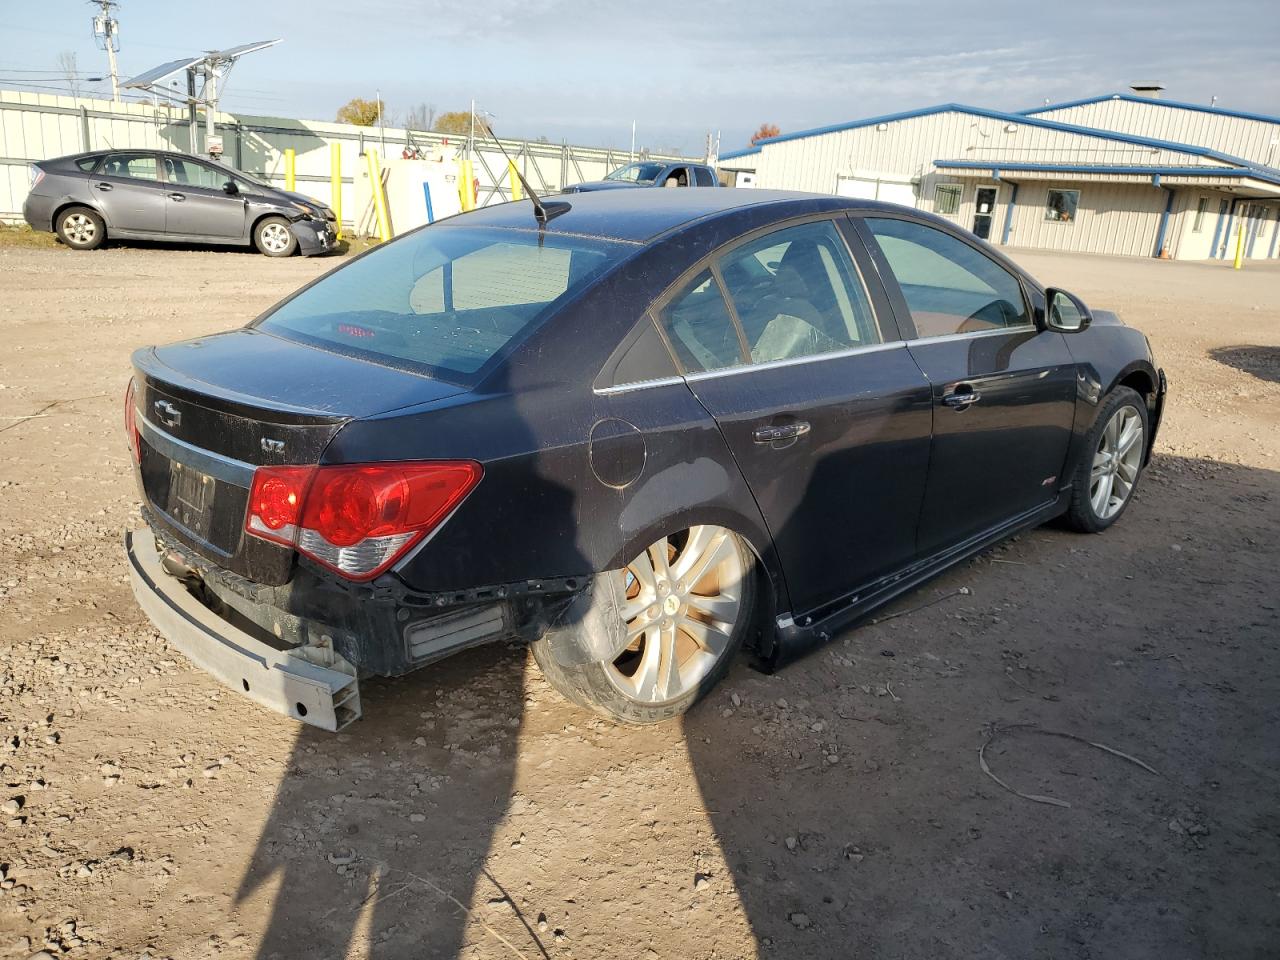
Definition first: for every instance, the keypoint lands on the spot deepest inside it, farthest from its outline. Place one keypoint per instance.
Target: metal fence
(40, 126)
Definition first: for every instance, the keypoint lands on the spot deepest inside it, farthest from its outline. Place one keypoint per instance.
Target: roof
(639, 215)
(1201, 170)
(1027, 119)
(1152, 101)
(735, 154)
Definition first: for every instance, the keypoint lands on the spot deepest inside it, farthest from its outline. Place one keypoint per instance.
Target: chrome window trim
(636, 385)
(971, 333)
(235, 472)
(794, 361)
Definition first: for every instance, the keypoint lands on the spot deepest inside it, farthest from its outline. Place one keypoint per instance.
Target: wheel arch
(67, 204)
(773, 595)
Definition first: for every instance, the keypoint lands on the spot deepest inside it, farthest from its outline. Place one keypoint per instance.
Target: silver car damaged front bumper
(312, 684)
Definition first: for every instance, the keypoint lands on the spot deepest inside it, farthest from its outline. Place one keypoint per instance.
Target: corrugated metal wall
(41, 126)
(1112, 218)
(1251, 139)
(908, 148)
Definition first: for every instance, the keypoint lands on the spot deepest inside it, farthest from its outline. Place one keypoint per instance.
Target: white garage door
(867, 188)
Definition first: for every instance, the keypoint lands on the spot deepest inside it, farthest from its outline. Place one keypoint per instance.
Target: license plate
(190, 497)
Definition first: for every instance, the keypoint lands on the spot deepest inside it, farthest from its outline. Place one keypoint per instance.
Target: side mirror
(230, 188)
(1065, 312)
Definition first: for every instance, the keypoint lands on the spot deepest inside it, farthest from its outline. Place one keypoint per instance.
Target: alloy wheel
(1116, 463)
(275, 237)
(79, 228)
(683, 601)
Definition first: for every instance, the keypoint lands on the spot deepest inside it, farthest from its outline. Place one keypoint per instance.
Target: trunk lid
(211, 410)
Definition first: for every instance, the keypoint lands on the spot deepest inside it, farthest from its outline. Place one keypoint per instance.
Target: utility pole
(106, 29)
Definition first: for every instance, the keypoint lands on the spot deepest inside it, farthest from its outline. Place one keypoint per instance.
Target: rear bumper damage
(309, 683)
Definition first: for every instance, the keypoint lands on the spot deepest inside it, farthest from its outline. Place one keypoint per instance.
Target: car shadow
(112, 244)
(850, 801)
(1259, 361)
(845, 793)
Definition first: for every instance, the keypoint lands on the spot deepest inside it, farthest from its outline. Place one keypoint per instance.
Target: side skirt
(795, 638)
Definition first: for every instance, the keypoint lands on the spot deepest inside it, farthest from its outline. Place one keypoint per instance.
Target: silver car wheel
(683, 599)
(1116, 463)
(79, 228)
(275, 237)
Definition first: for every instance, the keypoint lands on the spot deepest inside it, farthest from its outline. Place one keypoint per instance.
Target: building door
(984, 210)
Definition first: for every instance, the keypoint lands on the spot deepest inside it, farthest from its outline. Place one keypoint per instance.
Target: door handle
(104, 187)
(784, 431)
(178, 196)
(961, 397)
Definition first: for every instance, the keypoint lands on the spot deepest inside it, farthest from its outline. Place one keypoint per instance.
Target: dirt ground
(837, 809)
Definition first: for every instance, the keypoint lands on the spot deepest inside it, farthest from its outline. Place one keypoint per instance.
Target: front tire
(274, 237)
(1111, 463)
(81, 228)
(689, 602)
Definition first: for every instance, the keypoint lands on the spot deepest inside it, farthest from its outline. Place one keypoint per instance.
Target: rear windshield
(443, 300)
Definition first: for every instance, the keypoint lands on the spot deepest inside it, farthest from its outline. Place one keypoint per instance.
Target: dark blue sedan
(639, 432)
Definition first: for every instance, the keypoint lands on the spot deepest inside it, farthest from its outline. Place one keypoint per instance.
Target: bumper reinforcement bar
(311, 684)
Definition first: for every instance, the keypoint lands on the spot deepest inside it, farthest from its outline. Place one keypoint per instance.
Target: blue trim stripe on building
(1202, 170)
(1164, 220)
(1134, 98)
(735, 154)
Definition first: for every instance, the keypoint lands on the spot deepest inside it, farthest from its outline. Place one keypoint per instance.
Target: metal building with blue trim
(1119, 174)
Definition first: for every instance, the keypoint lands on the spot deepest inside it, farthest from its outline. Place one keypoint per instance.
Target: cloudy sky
(582, 70)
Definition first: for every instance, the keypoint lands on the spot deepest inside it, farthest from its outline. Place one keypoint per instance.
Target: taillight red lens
(356, 519)
(131, 422)
(275, 502)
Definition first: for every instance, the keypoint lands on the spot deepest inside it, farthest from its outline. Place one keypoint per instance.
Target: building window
(946, 198)
(1200, 209)
(1062, 205)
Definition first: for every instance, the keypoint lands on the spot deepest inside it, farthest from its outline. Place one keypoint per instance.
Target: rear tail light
(357, 519)
(36, 174)
(131, 422)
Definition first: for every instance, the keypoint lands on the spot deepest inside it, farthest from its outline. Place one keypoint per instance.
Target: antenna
(214, 67)
(539, 208)
(106, 30)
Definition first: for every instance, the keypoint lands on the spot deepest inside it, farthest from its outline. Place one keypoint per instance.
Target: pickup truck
(651, 173)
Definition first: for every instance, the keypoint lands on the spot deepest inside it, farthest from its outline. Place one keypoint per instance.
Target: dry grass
(23, 236)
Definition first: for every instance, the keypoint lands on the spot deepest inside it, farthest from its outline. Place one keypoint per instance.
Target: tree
(766, 131)
(67, 64)
(421, 117)
(361, 112)
(458, 123)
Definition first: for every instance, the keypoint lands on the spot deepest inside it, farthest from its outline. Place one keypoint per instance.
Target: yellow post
(466, 184)
(335, 185)
(379, 196)
(1240, 245)
(290, 160)
(513, 180)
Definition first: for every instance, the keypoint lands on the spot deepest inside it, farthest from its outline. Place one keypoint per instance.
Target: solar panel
(232, 52)
(143, 80)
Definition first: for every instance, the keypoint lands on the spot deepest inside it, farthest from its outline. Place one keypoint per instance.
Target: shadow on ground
(1261, 362)
(845, 795)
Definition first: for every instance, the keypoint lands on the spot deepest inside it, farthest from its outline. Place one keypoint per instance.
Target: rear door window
(949, 286)
(797, 293)
(131, 166)
(445, 300)
(703, 177)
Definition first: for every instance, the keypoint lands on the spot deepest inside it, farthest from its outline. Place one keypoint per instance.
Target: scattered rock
(13, 806)
(800, 921)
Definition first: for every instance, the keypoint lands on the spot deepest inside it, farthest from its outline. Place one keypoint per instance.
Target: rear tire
(1110, 464)
(274, 237)
(81, 228)
(690, 601)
